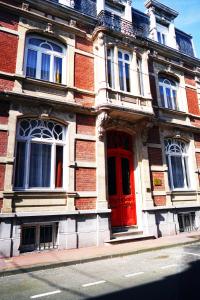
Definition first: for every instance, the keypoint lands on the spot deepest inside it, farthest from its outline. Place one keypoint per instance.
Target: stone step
(127, 233)
(129, 238)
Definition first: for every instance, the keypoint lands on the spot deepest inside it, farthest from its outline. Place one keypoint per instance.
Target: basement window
(186, 221)
(38, 237)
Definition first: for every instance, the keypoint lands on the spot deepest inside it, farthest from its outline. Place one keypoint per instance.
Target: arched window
(139, 74)
(177, 160)
(44, 59)
(168, 92)
(39, 154)
(124, 60)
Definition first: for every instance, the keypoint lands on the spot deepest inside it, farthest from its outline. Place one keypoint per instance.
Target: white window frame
(167, 84)
(140, 76)
(49, 52)
(177, 148)
(28, 140)
(164, 34)
(124, 62)
(110, 58)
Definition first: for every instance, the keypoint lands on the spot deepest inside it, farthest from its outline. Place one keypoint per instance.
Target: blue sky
(188, 19)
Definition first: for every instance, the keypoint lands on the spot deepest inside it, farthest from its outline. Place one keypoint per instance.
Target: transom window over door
(39, 154)
(177, 160)
(168, 92)
(45, 60)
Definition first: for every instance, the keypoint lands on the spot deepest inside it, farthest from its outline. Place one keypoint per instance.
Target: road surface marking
(190, 253)
(93, 283)
(134, 274)
(45, 294)
(169, 266)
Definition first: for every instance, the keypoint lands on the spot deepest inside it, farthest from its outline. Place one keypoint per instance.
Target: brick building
(99, 124)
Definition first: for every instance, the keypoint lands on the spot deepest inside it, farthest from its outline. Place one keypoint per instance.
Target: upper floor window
(124, 59)
(177, 161)
(168, 92)
(162, 34)
(139, 73)
(44, 59)
(110, 68)
(39, 154)
(161, 37)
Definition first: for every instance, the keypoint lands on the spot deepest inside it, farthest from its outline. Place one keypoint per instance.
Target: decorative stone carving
(102, 119)
(49, 28)
(25, 6)
(72, 23)
(101, 38)
(145, 127)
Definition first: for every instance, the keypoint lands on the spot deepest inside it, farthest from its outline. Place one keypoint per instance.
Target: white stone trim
(7, 30)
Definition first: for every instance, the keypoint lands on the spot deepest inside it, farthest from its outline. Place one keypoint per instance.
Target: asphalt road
(168, 274)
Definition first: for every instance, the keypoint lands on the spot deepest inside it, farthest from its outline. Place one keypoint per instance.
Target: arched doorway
(121, 189)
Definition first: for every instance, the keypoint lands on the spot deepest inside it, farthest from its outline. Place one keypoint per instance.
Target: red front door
(121, 187)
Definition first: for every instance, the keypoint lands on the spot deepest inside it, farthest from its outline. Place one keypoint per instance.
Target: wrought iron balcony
(118, 24)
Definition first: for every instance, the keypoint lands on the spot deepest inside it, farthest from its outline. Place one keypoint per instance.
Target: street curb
(49, 266)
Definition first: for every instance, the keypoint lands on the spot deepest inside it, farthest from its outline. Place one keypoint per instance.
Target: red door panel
(121, 187)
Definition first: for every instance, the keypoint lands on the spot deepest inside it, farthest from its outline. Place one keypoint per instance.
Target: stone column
(134, 78)
(172, 36)
(100, 6)
(128, 11)
(145, 75)
(153, 29)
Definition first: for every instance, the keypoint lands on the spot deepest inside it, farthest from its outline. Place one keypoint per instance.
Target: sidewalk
(56, 258)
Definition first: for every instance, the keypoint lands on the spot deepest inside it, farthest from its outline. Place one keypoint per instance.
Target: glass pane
(126, 57)
(119, 54)
(46, 234)
(59, 166)
(112, 187)
(125, 177)
(159, 37)
(174, 99)
(20, 164)
(57, 69)
(46, 46)
(45, 67)
(169, 99)
(35, 42)
(40, 165)
(162, 96)
(109, 72)
(31, 63)
(163, 39)
(177, 171)
(56, 47)
(28, 236)
(127, 71)
(121, 79)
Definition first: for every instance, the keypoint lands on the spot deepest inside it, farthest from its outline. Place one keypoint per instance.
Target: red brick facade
(8, 20)
(193, 106)
(8, 50)
(159, 200)
(84, 45)
(158, 183)
(85, 150)
(2, 176)
(154, 135)
(190, 80)
(85, 124)
(85, 179)
(3, 143)
(84, 72)
(85, 100)
(85, 203)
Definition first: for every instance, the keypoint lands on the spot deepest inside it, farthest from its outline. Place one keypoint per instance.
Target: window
(110, 68)
(44, 60)
(161, 38)
(168, 92)
(177, 161)
(124, 70)
(38, 237)
(186, 221)
(39, 154)
(139, 74)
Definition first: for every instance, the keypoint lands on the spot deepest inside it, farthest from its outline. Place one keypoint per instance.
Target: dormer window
(161, 38)
(162, 34)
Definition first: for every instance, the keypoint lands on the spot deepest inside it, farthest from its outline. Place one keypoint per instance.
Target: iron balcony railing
(118, 24)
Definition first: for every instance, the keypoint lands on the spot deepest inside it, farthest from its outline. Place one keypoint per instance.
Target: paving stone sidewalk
(56, 258)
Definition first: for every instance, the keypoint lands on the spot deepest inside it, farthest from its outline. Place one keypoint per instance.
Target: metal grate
(186, 221)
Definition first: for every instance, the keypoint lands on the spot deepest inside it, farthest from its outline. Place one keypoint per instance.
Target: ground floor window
(38, 237)
(186, 221)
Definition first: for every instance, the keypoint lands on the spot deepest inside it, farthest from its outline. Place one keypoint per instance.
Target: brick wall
(85, 150)
(190, 80)
(4, 113)
(159, 200)
(84, 72)
(8, 20)
(3, 143)
(83, 44)
(2, 176)
(158, 182)
(85, 100)
(198, 160)
(8, 50)
(85, 179)
(154, 135)
(1, 204)
(6, 85)
(193, 105)
(85, 124)
(85, 203)
(155, 156)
